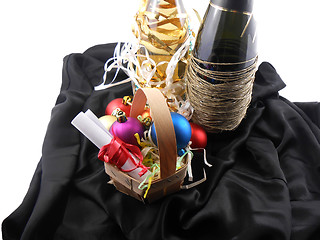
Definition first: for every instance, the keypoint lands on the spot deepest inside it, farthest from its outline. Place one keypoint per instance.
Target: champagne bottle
(227, 35)
(162, 29)
(222, 66)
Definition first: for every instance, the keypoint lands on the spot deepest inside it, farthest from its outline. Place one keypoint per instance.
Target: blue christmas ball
(182, 130)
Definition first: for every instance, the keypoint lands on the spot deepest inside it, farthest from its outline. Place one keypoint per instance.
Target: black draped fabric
(264, 183)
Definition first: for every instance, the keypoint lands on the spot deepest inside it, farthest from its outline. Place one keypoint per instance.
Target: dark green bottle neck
(226, 37)
(235, 5)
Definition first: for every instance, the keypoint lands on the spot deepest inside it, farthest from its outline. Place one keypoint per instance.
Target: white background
(35, 36)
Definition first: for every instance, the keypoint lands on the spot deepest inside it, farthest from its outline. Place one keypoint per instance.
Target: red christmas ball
(118, 103)
(198, 136)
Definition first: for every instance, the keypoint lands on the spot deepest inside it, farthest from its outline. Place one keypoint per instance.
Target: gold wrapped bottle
(162, 28)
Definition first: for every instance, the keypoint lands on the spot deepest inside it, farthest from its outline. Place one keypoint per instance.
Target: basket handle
(161, 117)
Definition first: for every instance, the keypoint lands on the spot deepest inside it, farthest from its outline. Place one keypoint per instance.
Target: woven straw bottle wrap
(222, 66)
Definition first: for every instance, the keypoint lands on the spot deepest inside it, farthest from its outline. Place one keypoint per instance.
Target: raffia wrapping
(220, 106)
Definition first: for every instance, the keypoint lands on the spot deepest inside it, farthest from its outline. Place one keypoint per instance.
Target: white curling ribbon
(150, 150)
(90, 126)
(120, 57)
(188, 186)
(185, 109)
(126, 58)
(149, 138)
(204, 154)
(179, 54)
(148, 69)
(145, 136)
(146, 150)
(189, 167)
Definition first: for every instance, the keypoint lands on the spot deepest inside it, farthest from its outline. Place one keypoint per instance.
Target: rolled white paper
(89, 125)
(96, 120)
(91, 130)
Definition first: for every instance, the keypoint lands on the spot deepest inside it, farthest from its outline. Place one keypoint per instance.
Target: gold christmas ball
(107, 121)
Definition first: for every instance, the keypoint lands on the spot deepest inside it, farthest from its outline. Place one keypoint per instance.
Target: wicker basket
(170, 180)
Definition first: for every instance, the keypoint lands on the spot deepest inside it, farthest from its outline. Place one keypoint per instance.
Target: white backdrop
(36, 35)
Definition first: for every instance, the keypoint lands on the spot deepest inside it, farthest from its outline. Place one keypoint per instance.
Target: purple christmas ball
(126, 130)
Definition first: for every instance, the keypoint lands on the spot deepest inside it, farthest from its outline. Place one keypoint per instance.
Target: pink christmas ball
(126, 130)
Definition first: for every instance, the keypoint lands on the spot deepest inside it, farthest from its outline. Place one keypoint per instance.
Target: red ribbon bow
(117, 152)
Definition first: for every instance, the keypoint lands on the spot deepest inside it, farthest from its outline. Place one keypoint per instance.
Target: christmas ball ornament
(181, 152)
(146, 122)
(107, 121)
(182, 130)
(146, 114)
(119, 103)
(125, 128)
(198, 136)
(145, 118)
